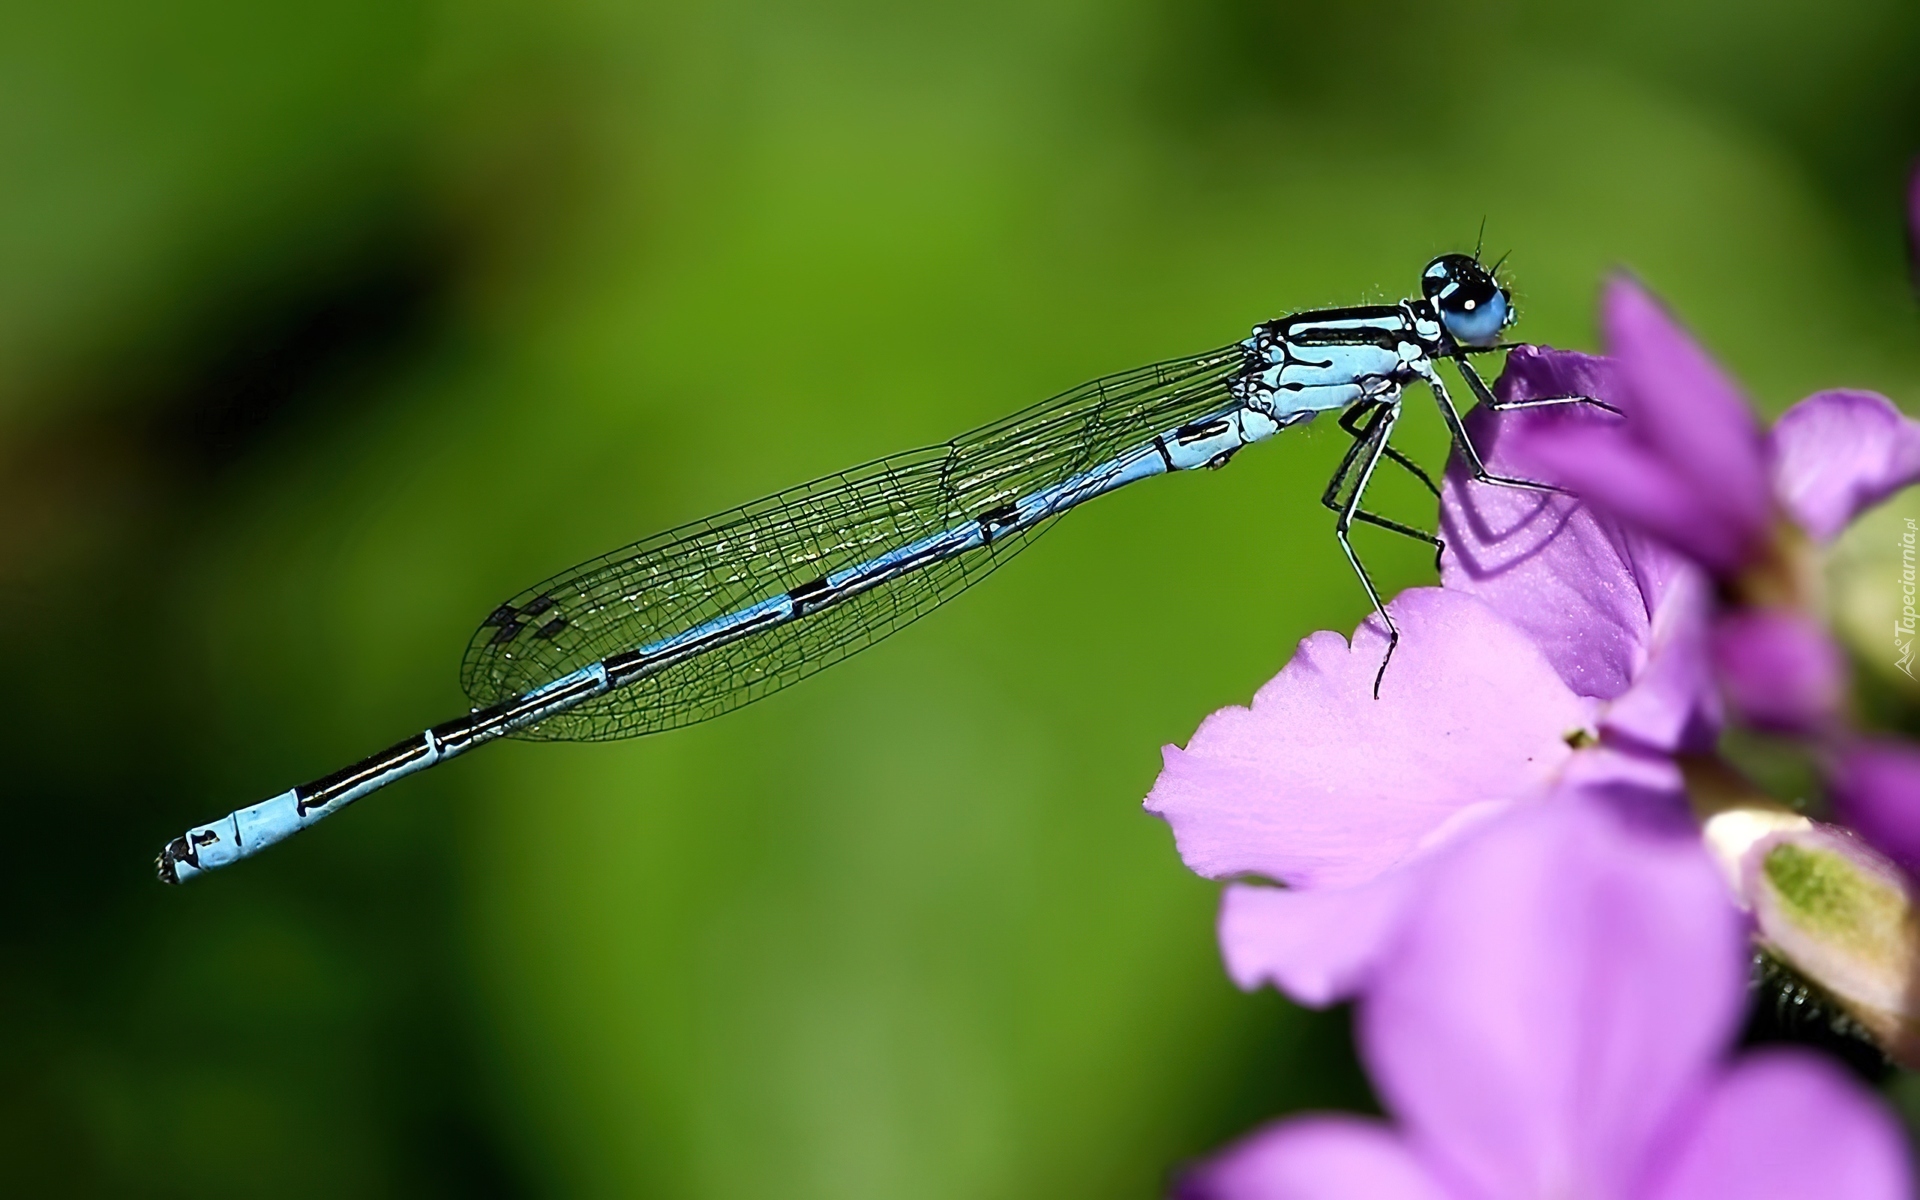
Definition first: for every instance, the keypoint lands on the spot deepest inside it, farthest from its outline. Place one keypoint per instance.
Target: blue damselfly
(705, 618)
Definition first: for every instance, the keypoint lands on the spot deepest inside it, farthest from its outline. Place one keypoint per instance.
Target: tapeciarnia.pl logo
(1903, 629)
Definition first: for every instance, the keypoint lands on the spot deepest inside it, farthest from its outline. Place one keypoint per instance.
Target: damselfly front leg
(1457, 430)
(1484, 394)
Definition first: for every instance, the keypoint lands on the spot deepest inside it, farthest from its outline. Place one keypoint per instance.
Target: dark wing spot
(508, 632)
(503, 615)
(550, 628)
(1005, 514)
(536, 606)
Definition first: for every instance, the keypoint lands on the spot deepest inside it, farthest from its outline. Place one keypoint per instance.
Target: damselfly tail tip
(171, 861)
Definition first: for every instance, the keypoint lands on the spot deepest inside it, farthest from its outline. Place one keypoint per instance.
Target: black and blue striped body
(618, 646)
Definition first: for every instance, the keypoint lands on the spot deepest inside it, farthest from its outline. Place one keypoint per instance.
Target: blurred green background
(325, 326)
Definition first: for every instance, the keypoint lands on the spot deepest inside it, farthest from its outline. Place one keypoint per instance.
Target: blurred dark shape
(326, 1044)
(278, 359)
(1788, 1009)
(1315, 60)
(1913, 225)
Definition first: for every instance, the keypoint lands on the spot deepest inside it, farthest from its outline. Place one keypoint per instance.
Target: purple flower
(1688, 465)
(1621, 617)
(1561, 649)
(1691, 473)
(1553, 1021)
(1322, 787)
(1838, 453)
(1774, 663)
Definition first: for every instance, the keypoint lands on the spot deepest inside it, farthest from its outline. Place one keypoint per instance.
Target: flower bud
(1831, 907)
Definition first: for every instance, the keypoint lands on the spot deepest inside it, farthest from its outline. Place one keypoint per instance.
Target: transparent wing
(681, 579)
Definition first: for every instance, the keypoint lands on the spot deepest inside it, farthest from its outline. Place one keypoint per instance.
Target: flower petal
(1544, 562)
(1621, 616)
(1321, 785)
(1780, 670)
(1538, 372)
(1633, 780)
(1318, 945)
(1673, 705)
(1565, 987)
(1625, 480)
(1682, 407)
(1314, 1158)
(1876, 791)
(1836, 453)
(1787, 1125)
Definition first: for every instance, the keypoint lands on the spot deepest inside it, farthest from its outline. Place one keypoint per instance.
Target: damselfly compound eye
(1471, 305)
(1475, 317)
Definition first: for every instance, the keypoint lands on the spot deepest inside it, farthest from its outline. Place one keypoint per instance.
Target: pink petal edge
(1320, 1157)
(1785, 1125)
(1470, 712)
(1317, 945)
(1688, 411)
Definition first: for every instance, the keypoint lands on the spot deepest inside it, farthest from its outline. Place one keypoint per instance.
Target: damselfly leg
(1369, 447)
(1457, 430)
(1484, 394)
(1359, 422)
(1350, 421)
(1371, 426)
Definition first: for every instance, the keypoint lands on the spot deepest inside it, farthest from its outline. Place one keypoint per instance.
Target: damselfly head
(1471, 303)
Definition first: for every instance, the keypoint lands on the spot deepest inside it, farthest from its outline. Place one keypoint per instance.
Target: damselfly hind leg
(1350, 421)
(1369, 447)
